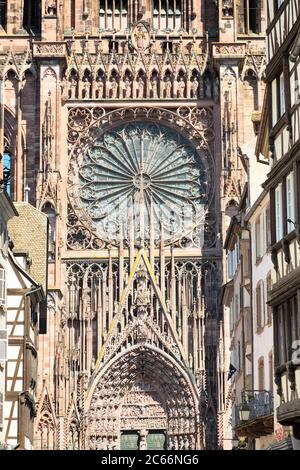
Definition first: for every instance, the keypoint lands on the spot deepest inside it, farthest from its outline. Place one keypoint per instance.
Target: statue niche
(114, 86)
(86, 85)
(181, 86)
(154, 85)
(141, 85)
(127, 85)
(99, 88)
(73, 85)
(167, 85)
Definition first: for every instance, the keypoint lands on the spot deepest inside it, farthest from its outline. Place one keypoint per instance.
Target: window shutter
(290, 201)
(278, 209)
(258, 306)
(3, 345)
(281, 95)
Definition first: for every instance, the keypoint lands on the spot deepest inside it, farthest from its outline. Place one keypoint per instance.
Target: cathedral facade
(123, 121)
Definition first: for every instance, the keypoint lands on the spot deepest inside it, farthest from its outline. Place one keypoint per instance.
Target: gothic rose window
(140, 182)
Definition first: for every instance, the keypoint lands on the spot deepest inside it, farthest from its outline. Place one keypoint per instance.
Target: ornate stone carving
(82, 118)
(41, 49)
(140, 37)
(141, 403)
(157, 67)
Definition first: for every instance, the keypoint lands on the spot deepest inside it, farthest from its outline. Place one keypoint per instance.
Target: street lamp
(244, 412)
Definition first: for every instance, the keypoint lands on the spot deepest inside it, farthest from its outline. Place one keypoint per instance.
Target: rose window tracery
(140, 181)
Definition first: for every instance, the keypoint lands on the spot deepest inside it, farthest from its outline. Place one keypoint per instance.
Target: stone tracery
(84, 125)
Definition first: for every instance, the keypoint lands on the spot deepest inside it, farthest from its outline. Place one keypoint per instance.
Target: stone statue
(100, 87)
(141, 87)
(168, 87)
(72, 87)
(195, 87)
(86, 88)
(127, 86)
(143, 442)
(142, 295)
(192, 442)
(216, 88)
(207, 84)
(93, 443)
(186, 444)
(181, 87)
(114, 88)
(154, 86)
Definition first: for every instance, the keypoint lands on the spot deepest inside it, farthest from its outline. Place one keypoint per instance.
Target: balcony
(260, 422)
(287, 379)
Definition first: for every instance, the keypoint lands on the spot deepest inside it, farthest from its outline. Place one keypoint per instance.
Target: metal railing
(259, 402)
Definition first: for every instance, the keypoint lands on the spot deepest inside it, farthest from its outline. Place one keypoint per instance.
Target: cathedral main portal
(143, 400)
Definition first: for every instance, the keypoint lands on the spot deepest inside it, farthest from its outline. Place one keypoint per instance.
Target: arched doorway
(142, 398)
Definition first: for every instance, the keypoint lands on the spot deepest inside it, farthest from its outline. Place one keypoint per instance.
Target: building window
(252, 16)
(294, 82)
(261, 235)
(2, 286)
(290, 202)
(286, 330)
(113, 14)
(167, 14)
(249, 13)
(261, 374)
(268, 228)
(278, 212)
(73, 14)
(285, 207)
(233, 257)
(31, 16)
(3, 11)
(278, 98)
(7, 171)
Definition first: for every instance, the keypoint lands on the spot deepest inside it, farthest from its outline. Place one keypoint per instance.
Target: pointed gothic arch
(45, 424)
(142, 389)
